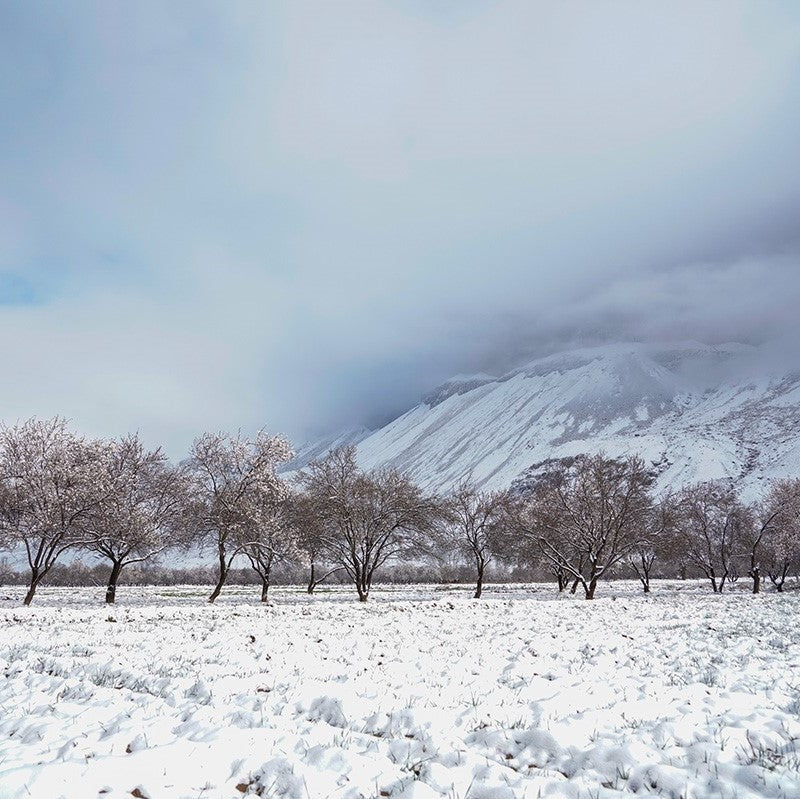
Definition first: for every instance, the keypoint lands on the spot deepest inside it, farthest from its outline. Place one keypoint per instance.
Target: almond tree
(781, 547)
(308, 521)
(272, 538)
(760, 528)
(523, 520)
(521, 540)
(234, 478)
(654, 540)
(477, 523)
(52, 480)
(586, 515)
(368, 518)
(144, 511)
(709, 526)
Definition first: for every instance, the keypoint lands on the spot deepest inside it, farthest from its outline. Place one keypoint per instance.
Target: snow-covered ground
(419, 693)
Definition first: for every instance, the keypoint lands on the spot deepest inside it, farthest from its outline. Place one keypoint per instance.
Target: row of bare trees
(592, 517)
(586, 518)
(119, 501)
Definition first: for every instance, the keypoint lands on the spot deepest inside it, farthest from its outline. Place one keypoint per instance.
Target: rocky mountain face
(692, 411)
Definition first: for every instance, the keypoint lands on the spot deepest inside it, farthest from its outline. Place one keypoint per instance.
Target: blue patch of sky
(17, 290)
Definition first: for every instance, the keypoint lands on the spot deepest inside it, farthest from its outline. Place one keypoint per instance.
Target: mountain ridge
(691, 410)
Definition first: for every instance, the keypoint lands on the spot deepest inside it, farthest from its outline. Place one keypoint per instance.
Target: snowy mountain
(693, 412)
(318, 448)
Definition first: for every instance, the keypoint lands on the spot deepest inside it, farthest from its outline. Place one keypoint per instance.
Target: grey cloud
(306, 214)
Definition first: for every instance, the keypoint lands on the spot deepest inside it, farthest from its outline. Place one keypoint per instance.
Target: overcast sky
(304, 215)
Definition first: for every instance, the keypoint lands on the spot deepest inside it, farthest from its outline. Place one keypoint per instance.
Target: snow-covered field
(419, 693)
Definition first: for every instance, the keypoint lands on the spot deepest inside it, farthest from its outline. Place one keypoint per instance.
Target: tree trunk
(111, 589)
(36, 578)
(563, 582)
(217, 589)
(363, 591)
(643, 570)
(311, 583)
(714, 587)
(265, 589)
(29, 596)
(575, 584)
(479, 584)
(223, 574)
(756, 580)
(779, 578)
(590, 588)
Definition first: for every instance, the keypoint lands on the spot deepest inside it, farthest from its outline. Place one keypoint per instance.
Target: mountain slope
(689, 409)
(318, 448)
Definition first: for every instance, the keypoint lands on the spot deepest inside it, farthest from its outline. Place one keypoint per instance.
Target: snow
(318, 448)
(696, 410)
(419, 693)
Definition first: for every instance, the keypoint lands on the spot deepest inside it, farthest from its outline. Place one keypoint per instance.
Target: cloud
(306, 214)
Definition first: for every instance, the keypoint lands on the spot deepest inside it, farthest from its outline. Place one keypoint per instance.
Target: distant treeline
(80, 574)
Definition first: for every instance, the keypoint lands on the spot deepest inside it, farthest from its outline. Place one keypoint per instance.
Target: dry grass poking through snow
(680, 695)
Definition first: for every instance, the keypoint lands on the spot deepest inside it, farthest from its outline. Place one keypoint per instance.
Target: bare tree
(523, 525)
(52, 479)
(143, 512)
(309, 521)
(780, 549)
(759, 528)
(234, 478)
(477, 522)
(272, 538)
(368, 517)
(654, 539)
(586, 516)
(708, 529)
